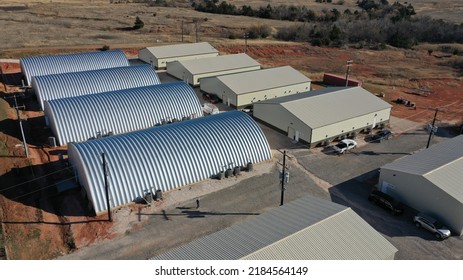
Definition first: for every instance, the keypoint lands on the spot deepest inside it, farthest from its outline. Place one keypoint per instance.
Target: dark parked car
(386, 201)
(381, 135)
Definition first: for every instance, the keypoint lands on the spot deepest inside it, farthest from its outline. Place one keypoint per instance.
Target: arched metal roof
(166, 157)
(57, 86)
(56, 64)
(79, 118)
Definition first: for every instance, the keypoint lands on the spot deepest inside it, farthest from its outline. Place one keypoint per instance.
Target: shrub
(105, 48)
(138, 24)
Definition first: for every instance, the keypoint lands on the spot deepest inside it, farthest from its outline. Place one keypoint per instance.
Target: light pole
(246, 36)
(348, 64)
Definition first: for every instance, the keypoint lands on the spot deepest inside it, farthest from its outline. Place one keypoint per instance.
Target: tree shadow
(128, 28)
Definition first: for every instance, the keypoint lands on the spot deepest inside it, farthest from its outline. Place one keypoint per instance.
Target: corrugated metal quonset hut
(57, 64)
(305, 229)
(191, 71)
(159, 56)
(58, 86)
(430, 181)
(243, 89)
(80, 118)
(166, 157)
(322, 115)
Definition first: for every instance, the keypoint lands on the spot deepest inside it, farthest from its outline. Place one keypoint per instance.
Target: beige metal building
(160, 55)
(430, 181)
(320, 116)
(305, 229)
(191, 71)
(242, 89)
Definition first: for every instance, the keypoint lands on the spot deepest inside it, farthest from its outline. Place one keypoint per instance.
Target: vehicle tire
(438, 235)
(418, 225)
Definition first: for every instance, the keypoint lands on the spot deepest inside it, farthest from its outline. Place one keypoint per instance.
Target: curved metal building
(79, 118)
(58, 86)
(57, 64)
(166, 157)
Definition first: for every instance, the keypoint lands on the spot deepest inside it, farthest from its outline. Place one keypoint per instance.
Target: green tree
(138, 24)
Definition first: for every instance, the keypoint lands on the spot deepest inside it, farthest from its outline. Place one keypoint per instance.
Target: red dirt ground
(32, 233)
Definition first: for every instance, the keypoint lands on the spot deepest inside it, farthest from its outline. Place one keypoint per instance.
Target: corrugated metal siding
(218, 63)
(442, 164)
(167, 157)
(319, 108)
(430, 159)
(263, 79)
(343, 236)
(79, 118)
(57, 86)
(182, 50)
(339, 232)
(56, 64)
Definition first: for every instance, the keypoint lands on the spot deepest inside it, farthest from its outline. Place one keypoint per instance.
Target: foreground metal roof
(442, 164)
(263, 79)
(57, 86)
(166, 157)
(56, 64)
(182, 50)
(306, 229)
(79, 118)
(323, 107)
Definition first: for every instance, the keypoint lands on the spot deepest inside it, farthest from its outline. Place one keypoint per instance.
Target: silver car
(344, 146)
(431, 224)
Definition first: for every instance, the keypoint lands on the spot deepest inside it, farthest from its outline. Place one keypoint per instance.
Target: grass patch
(3, 145)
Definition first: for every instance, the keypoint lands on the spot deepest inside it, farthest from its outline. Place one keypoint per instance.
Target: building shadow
(354, 194)
(39, 137)
(49, 187)
(195, 213)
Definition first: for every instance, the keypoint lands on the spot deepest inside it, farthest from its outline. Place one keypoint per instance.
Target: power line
(46, 187)
(35, 179)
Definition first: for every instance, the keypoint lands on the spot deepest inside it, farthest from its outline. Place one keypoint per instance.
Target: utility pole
(196, 24)
(431, 131)
(26, 151)
(348, 64)
(284, 177)
(105, 175)
(182, 30)
(246, 36)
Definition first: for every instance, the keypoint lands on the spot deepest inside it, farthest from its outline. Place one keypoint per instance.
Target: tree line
(376, 23)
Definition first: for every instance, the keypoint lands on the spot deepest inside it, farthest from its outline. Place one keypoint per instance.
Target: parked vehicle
(381, 135)
(431, 224)
(344, 145)
(386, 201)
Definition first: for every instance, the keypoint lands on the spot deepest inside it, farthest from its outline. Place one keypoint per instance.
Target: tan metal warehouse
(322, 115)
(243, 89)
(305, 229)
(191, 71)
(160, 55)
(430, 181)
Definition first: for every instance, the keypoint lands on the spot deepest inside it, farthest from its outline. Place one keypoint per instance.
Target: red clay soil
(34, 229)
